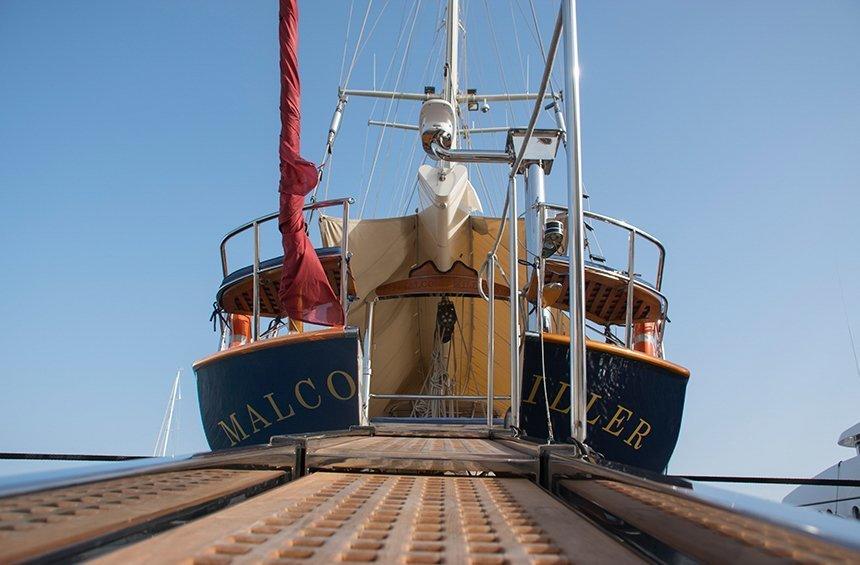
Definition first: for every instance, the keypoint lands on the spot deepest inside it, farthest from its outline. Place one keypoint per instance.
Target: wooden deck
(400, 493)
(341, 517)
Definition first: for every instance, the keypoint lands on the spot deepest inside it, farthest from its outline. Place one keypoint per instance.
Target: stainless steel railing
(630, 275)
(255, 224)
(365, 395)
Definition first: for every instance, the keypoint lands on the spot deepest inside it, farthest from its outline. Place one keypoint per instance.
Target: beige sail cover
(384, 250)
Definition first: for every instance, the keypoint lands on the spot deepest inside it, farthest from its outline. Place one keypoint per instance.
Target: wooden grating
(53, 521)
(451, 454)
(721, 536)
(605, 295)
(443, 448)
(361, 518)
(238, 296)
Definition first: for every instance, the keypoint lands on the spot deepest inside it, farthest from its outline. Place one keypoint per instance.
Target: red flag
(305, 293)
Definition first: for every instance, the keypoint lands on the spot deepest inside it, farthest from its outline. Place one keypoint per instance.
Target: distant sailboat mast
(163, 439)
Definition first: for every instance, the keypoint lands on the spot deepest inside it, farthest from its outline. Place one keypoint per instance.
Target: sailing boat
(442, 345)
(447, 315)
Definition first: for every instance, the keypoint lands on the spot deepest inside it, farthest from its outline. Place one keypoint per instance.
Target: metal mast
(451, 69)
(161, 443)
(576, 274)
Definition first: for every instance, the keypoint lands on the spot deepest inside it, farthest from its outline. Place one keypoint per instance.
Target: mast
(451, 68)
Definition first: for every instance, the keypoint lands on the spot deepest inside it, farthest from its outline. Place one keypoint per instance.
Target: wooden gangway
(405, 493)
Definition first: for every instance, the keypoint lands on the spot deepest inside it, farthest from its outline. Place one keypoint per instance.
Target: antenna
(163, 439)
(848, 323)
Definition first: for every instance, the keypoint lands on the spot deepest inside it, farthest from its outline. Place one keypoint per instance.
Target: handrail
(365, 396)
(255, 226)
(627, 226)
(465, 397)
(632, 231)
(263, 219)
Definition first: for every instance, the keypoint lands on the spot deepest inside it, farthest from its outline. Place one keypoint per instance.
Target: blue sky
(134, 134)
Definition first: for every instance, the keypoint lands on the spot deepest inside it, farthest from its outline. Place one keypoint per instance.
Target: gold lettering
(234, 434)
(558, 397)
(591, 400)
(277, 410)
(534, 390)
(638, 435)
(255, 417)
(334, 392)
(301, 399)
(617, 420)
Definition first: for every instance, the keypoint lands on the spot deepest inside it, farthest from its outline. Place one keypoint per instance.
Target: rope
(550, 437)
(770, 480)
(68, 456)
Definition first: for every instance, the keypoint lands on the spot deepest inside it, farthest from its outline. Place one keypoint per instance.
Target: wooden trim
(622, 352)
(438, 285)
(427, 280)
(331, 333)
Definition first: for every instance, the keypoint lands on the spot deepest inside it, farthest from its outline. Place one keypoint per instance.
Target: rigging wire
(848, 323)
(391, 104)
(402, 197)
(388, 69)
(328, 177)
(538, 37)
(402, 28)
(499, 60)
(400, 194)
(517, 43)
(329, 149)
(346, 41)
(358, 42)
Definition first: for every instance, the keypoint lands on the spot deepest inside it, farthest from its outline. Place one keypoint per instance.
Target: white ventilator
(168, 423)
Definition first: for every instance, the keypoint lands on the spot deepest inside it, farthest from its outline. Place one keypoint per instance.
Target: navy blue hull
(635, 403)
(282, 386)
(300, 385)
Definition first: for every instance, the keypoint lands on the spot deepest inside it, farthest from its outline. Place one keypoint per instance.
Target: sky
(134, 134)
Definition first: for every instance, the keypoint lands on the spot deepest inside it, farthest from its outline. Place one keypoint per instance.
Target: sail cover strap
(305, 293)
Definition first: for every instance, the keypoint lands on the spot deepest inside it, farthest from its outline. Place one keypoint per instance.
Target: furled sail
(305, 293)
